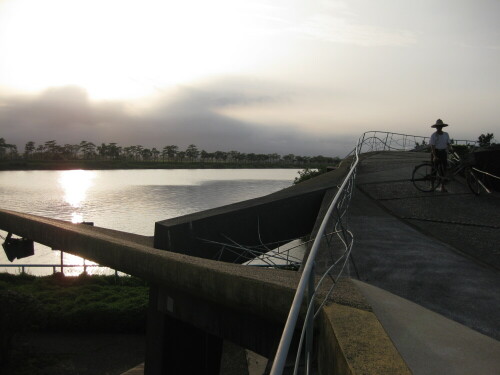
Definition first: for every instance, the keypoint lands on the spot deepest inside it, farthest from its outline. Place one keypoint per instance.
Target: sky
(289, 76)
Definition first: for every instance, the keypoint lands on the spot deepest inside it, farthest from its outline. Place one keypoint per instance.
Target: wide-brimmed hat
(439, 123)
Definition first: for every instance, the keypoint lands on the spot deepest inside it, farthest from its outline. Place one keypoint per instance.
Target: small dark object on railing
(18, 247)
(91, 223)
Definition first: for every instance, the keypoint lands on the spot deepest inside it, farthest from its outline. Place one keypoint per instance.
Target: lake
(126, 200)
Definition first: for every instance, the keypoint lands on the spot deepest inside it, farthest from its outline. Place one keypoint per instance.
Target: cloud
(335, 29)
(187, 115)
(62, 113)
(331, 21)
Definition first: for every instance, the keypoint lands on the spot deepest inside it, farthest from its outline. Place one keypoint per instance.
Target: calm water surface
(127, 200)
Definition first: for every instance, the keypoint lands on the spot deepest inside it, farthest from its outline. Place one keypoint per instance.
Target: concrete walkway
(430, 343)
(437, 251)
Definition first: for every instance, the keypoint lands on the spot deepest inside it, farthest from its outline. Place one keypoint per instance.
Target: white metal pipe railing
(307, 275)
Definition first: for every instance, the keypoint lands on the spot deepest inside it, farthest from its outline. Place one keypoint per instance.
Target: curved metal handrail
(307, 274)
(375, 141)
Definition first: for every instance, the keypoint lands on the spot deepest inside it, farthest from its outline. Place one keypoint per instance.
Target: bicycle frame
(456, 166)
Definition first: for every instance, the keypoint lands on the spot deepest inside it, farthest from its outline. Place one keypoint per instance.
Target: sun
(121, 48)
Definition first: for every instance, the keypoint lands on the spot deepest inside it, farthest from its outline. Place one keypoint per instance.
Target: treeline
(85, 150)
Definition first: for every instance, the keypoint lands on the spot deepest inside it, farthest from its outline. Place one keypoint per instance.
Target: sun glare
(75, 185)
(120, 49)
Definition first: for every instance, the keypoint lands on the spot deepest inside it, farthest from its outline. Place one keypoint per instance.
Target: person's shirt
(440, 141)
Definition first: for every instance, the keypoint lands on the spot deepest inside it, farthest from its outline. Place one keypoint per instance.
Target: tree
(129, 153)
(146, 154)
(88, 149)
(307, 174)
(241, 156)
(171, 151)
(273, 158)
(137, 150)
(234, 155)
(51, 149)
(12, 151)
(220, 155)
(204, 155)
(114, 150)
(155, 153)
(262, 157)
(302, 159)
(485, 140)
(7, 150)
(29, 149)
(192, 152)
(181, 155)
(40, 149)
(3, 148)
(70, 151)
(109, 151)
(102, 150)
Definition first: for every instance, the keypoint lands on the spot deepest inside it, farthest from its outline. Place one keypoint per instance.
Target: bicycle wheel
(425, 177)
(473, 180)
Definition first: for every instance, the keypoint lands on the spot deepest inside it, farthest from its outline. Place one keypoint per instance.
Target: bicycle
(427, 177)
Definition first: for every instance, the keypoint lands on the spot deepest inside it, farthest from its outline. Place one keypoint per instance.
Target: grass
(34, 363)
(83, 303)
(66, 305)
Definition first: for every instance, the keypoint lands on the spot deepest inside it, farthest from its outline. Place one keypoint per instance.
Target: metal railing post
(363, 139)
(310, 322)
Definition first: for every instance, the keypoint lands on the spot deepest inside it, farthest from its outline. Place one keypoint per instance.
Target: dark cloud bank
(66, 115)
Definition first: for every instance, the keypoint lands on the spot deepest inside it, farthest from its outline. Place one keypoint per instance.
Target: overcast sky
(286, 76)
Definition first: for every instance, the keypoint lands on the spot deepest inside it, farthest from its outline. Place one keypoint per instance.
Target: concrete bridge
(420, 294)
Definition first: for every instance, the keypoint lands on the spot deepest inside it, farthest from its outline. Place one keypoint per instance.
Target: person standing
(440, 143)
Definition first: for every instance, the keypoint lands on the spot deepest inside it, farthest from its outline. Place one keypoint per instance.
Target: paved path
(438, 250)
(430, 343)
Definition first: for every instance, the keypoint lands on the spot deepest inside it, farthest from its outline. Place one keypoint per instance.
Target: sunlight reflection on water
(75, 185)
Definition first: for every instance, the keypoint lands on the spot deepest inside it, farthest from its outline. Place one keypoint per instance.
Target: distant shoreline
(29, 165)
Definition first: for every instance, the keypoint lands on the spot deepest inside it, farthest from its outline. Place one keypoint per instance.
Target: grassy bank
(65, 306)
(84, 303)
(6, 165)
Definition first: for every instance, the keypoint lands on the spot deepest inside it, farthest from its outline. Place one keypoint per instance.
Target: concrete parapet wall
(262, 292)
(254, 224)
(352, 341)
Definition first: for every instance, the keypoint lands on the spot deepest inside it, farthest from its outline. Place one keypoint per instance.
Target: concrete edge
(430, 342)
(243, 288)
(353, 341)
(137, 370)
